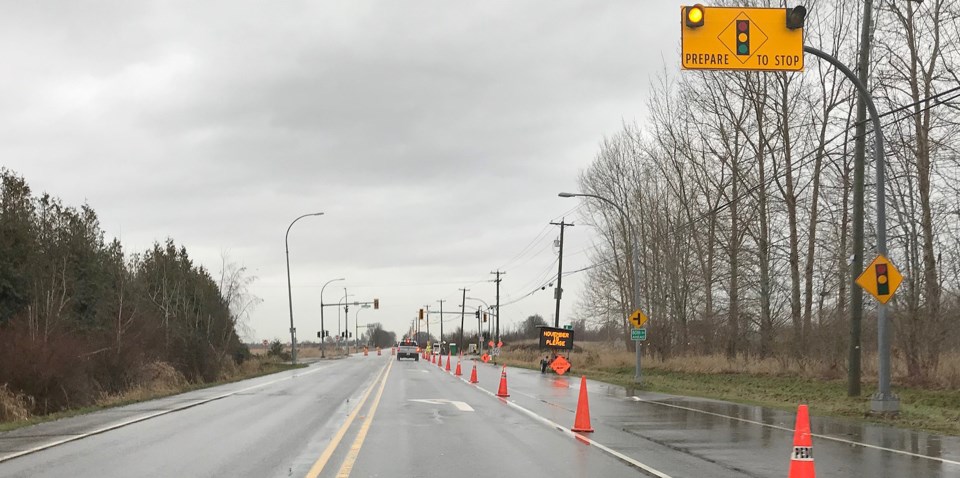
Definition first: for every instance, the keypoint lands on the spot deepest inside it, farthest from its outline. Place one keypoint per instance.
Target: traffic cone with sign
(502, 392)
(801, 461)
(447, 368)
(473, 374)
(581, 422)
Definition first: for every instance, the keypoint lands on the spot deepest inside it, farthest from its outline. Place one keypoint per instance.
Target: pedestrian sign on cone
(581, 422)
(502, 392)
(801, 461)
(473, 374)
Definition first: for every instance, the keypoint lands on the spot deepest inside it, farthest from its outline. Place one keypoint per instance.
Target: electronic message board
(553, 338)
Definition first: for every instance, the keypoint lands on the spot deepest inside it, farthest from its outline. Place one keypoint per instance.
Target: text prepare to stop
(723, 59)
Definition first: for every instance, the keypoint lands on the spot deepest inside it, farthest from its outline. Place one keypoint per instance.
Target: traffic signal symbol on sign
(881, 279)
(743, 37)
(637, 318)
(376, 304)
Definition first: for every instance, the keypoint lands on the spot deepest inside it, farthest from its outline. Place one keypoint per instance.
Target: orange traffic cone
(364, 351)
(502, 392)
(457, 373)
(581, 422)
(433, 358)
(447, 368)
(473, 374)
(801, 461)
(440, 361)
(378, 351)
(393, 351)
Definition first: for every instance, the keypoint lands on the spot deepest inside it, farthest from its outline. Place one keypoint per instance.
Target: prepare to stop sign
(722, 38)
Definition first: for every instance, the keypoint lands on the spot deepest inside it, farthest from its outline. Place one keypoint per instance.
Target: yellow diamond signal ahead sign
(638, 319)
(732, 38)
(880, 279)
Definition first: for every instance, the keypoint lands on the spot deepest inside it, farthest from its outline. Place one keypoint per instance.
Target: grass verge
(140, 394)
(929, 410)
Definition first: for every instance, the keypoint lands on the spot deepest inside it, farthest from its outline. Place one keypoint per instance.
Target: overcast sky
(435, 135)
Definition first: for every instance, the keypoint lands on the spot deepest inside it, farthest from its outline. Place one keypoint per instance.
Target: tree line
(740, 188)
(80, 318)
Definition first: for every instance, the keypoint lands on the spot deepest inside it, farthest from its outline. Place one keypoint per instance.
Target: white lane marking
(462, 406)
(572, 434)
(148, 417)
(825, 437)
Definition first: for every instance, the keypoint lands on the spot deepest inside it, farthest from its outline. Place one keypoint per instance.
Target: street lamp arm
(601, 198)
(286, 237)
(325, 286)
(481, 300)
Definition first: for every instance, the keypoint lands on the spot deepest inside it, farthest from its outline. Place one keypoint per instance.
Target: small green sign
(638, 335)
(568, 326)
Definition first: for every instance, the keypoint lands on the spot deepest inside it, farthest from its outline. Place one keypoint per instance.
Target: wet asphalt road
(377, 417)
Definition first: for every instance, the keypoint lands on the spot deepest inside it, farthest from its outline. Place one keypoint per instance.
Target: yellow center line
(347, 466)
(328, 452)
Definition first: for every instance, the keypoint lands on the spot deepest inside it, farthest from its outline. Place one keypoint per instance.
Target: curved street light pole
(633, 264)
(323, 331)
(293, 331)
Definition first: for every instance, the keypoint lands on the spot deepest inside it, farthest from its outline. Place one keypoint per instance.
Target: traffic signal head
(883, 279)
(320, 335)
(478, 313)
(743, 37)
(693, 16)
(484, 316)
(421, 314)
(796, 17)
(376, 304)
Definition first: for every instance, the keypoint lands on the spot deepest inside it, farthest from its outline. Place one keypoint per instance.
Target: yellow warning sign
(880, 279)
(733, 38)
(638, 319)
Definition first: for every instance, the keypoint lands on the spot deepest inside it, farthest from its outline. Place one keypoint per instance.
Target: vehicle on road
(408, 349)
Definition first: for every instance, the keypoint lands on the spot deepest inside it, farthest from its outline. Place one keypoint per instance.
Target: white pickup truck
(408, 349)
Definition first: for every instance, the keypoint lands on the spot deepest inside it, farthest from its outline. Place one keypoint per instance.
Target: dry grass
(159, 379)
(303, 351)
(598, 356)
(14, 407)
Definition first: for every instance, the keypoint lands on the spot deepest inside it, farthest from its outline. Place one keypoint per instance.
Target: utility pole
(441, 323)
(496, 334)
(427, 318)
(463, 310)
(346, 320)
(859, 160)
(559, 291)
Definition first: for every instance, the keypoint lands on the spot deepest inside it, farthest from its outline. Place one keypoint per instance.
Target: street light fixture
(633, 263)
(293, 331)
(323, 331)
